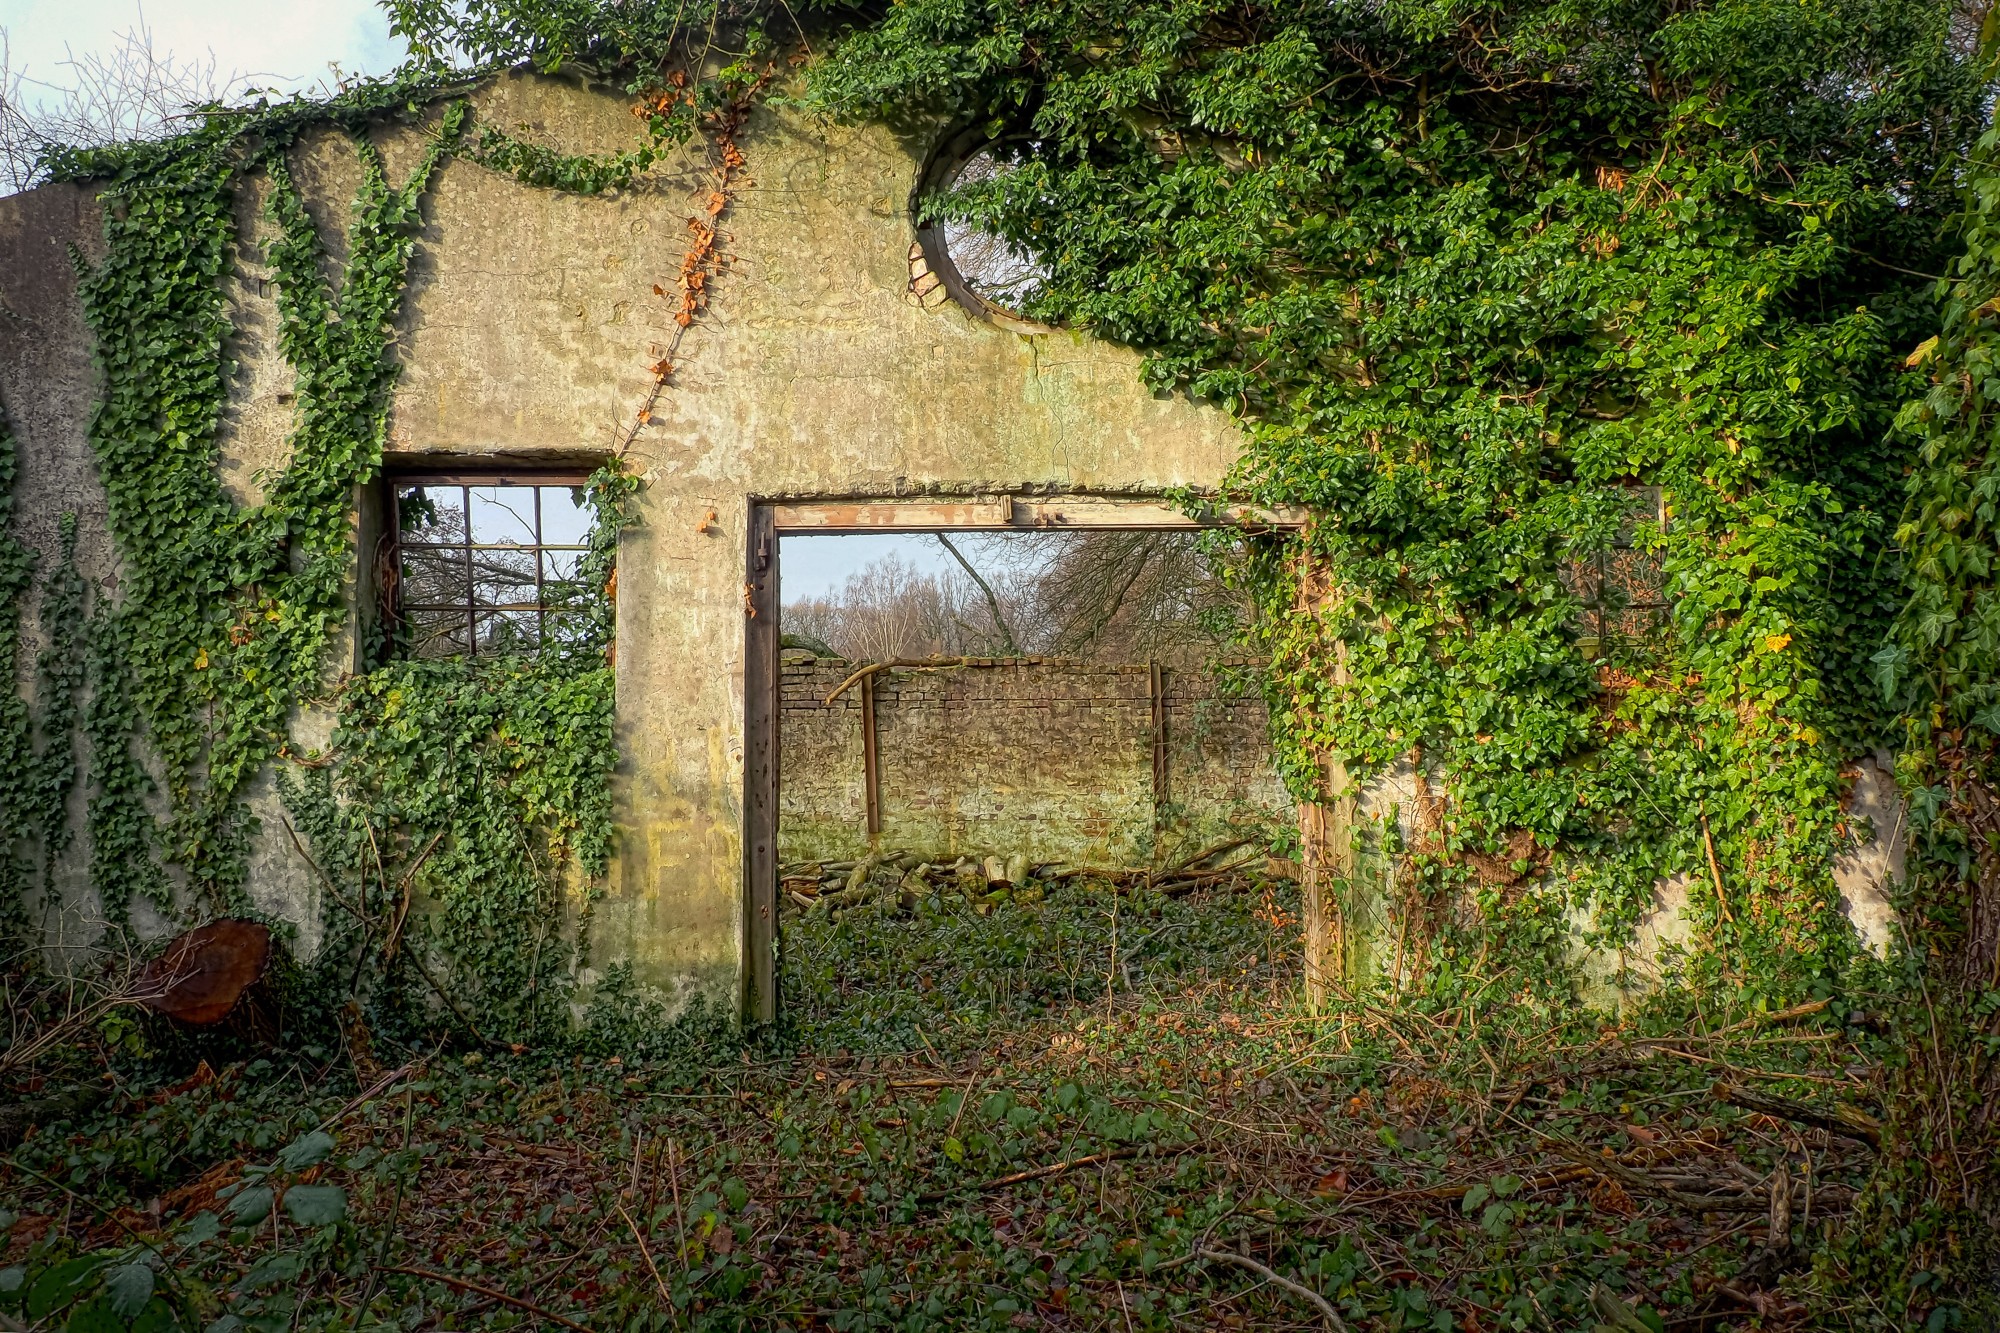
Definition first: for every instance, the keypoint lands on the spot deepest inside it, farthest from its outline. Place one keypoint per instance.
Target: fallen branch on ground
(1270, 1275)
(1037, 1173)
(1849, 1121)
(489, 1293)
(1633, 1178)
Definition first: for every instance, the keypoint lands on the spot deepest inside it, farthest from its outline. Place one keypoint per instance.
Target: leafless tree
(892, 608)
(1135, 597)
(1110, 596)
(990, 264)
(132, 91)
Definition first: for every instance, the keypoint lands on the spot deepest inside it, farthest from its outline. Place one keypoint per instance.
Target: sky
(820, 566)
(286, 44)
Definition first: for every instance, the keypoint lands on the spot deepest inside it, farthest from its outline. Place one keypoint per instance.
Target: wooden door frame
(771, 520)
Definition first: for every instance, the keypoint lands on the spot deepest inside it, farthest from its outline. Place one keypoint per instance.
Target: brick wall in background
(1047, 757)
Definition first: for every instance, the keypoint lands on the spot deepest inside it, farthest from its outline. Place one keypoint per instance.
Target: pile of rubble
(987, 881)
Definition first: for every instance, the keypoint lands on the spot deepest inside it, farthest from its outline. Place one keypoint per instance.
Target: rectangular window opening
(1623, 588)
(490, 565)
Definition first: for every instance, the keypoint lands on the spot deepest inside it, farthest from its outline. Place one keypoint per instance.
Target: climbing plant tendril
(59, 676)
(228, 609)
(485, 791)
(17, 571)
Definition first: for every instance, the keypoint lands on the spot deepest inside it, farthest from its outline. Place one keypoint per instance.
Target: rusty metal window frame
(465, 482)
(1609, 587)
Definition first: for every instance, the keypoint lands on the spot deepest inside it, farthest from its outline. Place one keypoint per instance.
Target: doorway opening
(959, 709)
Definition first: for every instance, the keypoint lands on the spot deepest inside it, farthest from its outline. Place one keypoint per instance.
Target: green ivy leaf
(307, 1150)
(272, 1269)
(205, 1227)
(96, 1315)
(251, 1205)
(60, 1285)
(128, 1287)
(315, 1205)
(157, 1317)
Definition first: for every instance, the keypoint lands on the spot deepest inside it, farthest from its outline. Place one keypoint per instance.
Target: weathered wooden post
(1326, 839)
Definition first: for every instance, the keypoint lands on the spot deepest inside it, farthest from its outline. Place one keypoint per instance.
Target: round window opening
(991, 271)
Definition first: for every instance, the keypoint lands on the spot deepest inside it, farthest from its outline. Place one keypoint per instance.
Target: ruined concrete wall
(529, 331)
(530, 328)
(1052, 759)
(1220, 778)
(48, 389)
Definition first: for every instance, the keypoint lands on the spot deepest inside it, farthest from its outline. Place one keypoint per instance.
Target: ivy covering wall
(1507, 291)
(478, 791)
(1499, 289)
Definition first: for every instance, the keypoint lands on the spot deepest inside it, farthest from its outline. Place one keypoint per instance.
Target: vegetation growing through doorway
(1442, 259)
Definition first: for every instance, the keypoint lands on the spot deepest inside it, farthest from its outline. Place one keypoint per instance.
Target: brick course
(1051, 758)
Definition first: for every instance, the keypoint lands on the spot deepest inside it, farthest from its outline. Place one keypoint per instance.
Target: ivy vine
(17, 571)
(459, 821)
(1478, 295)
(478, 789)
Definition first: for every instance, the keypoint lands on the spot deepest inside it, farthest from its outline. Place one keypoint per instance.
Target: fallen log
(1848, 1121)
(852, 897)
(17, 1118)
(1633, 1178)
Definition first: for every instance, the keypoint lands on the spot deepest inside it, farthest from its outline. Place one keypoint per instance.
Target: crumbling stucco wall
(530, 327)
(48, 389)
(1050, 758)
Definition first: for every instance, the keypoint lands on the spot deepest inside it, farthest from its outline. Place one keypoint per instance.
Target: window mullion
(471, 585)
(541, 598)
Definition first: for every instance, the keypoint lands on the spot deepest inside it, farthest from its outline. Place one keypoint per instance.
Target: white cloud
(288, 44)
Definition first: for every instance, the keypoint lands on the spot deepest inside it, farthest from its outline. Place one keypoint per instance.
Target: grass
(1094, 1111)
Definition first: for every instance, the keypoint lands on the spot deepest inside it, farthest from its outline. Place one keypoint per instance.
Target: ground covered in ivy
(1094, 1111)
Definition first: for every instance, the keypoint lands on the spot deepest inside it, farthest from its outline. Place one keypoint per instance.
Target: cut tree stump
(203, 973)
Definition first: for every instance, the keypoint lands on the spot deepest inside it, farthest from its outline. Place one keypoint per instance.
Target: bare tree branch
(1007, 643)
(130, 92)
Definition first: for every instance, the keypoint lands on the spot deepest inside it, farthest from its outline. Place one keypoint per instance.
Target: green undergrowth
(975, 1155)
(941, 973)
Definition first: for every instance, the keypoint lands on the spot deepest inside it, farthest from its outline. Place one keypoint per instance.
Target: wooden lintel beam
(1014, 514)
